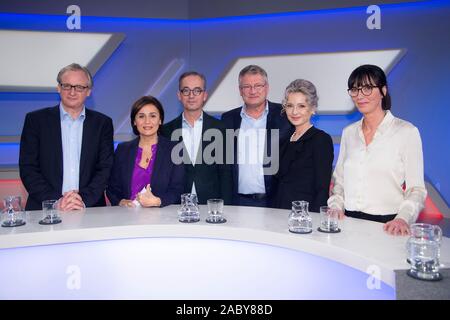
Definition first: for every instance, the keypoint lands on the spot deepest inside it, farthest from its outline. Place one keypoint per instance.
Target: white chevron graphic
(328, 71)
(30, 60)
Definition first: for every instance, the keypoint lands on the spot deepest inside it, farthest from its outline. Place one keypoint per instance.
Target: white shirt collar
(244, 111)
(64, 114)
(184, 120)
(384, 125)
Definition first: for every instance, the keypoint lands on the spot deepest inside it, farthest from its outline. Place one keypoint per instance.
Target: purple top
(141, 177)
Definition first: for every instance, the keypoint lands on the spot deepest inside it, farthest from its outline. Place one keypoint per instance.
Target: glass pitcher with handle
(189, 210)
(12, 212)
(299, 219)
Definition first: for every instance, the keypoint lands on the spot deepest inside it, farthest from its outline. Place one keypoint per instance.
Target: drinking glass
(329, 220)
(50, 209)
(215, 211)
(423, 247)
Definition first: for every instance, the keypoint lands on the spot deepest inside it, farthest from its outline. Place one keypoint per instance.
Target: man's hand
(71, 200)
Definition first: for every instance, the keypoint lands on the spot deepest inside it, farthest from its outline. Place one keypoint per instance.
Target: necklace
(147, 153)
(146, 156)
(293, 138)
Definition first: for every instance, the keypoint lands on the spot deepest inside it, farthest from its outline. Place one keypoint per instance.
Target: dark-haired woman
(143, 173)
(379, 172)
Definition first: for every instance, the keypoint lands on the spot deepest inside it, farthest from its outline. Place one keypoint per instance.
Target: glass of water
(423, 247)
(215, 211)
(50, 210)
(329, 220)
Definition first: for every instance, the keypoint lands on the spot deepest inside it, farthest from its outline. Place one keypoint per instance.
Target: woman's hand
(341, 214)
(148, 199)
(397, 227)
(126, 203)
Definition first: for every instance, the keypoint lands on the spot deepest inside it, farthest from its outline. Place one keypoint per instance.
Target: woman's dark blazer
(305, 170)
(167, 178)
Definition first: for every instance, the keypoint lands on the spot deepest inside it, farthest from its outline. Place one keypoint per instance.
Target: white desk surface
(361, 244)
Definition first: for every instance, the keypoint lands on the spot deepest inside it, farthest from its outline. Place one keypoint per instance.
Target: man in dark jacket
(256, 145)
(202, 141)
(66, 151)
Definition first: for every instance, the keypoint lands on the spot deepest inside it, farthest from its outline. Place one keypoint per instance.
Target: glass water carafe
(12, 213)
(299, 219)
(189, 210)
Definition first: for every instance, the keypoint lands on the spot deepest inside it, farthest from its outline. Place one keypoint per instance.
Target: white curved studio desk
(121, 253)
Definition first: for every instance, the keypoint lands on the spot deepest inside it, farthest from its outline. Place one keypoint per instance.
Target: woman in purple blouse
(143, 173)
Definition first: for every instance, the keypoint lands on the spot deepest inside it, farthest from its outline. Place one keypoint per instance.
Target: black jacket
(305, 170)
(275, 120)
(212, 180)
(167, 177)
(41, 157)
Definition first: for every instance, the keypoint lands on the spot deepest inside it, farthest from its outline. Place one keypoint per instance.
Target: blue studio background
(419, 83)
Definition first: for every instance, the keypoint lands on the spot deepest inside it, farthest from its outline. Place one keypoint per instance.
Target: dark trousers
(257, 200)
(371, 217)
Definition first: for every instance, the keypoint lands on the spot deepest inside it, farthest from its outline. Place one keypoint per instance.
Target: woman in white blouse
(379, 172)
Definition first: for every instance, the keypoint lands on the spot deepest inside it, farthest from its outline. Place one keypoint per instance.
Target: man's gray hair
(75, 67)
(253, 69)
